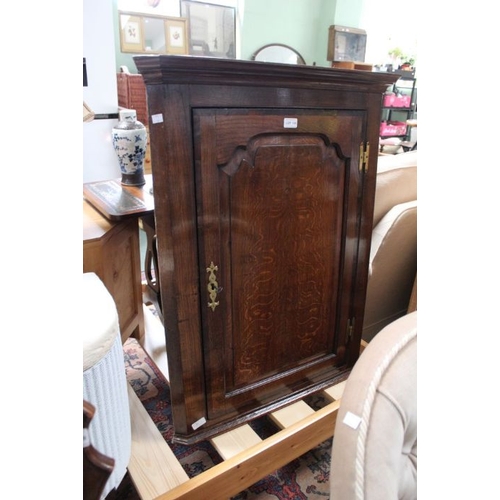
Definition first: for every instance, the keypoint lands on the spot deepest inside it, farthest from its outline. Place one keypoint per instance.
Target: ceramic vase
(129, 141)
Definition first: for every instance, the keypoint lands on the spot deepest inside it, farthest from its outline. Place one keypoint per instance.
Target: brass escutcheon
(213, 286)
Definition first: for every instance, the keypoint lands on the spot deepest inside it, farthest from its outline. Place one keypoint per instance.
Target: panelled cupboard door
(277, 221)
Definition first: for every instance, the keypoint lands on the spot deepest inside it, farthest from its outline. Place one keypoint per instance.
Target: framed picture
(131, 33)
(211, 29)
(176, 35)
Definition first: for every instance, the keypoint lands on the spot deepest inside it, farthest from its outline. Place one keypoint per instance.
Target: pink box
(402, 101)
(397, 101)
(389, 100)
(392, 128)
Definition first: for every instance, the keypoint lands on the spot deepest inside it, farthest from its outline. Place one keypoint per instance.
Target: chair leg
(96, 467)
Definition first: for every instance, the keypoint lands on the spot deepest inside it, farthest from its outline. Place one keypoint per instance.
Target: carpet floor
(306, 477)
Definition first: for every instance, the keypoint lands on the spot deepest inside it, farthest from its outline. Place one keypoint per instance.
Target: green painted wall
(349, 12)
(302, 24)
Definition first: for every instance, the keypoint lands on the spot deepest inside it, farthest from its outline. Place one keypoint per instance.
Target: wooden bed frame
(157, 474)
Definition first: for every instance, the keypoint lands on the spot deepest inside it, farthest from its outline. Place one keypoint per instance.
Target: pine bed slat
(153, 466)
(235, 441)
(288, 415)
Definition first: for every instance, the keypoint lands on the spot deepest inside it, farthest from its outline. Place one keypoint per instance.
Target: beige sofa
(393, 256)
(374, 451)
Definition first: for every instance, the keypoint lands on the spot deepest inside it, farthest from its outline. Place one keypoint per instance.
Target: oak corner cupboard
(264, 184)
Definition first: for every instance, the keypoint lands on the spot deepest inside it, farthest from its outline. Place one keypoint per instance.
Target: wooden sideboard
(264, 190)
(111, 250)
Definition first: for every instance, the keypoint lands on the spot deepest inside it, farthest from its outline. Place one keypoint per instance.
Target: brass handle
(213, 286)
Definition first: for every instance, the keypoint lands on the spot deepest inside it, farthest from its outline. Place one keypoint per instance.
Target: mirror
(212, 29)
(278, 53)
(152, 34)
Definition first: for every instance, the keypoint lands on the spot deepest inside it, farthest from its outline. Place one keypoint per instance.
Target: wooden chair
(96, 467)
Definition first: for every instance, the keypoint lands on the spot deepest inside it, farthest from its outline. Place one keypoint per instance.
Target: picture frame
(176, 35)
(152, 34)
(211, 28)
(131, 33)
(346, 44)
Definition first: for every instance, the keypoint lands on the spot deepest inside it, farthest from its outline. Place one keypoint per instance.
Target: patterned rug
(307, 477)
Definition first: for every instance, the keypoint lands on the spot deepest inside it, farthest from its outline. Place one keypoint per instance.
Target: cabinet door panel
(272, 209)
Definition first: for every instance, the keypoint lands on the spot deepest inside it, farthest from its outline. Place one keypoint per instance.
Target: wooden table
(117, 202)
(111, 214)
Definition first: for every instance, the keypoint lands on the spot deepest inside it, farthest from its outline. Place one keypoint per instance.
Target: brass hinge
(350, 328)
(364, 154)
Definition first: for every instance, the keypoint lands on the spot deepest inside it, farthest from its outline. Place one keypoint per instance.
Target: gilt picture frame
(131, 33)
(176, 35)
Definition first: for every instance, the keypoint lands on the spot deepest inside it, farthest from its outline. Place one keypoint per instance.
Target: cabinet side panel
(364, 182)
(175, 220)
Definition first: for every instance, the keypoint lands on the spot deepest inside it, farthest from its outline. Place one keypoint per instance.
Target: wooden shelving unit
(405, 86)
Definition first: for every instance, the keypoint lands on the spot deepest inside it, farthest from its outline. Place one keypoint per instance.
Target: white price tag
(352, 420)
(199, 423)
(290, 122)
(157, 118)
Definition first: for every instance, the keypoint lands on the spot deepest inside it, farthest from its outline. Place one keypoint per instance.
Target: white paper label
(352, 420)
(199, 423)
(290, 123)
(157, 118)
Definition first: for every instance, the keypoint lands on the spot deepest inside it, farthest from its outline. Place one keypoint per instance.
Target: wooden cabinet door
(278, 216)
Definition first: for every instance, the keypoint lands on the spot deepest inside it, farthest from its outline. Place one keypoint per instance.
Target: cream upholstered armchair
(393, 255)
(374, 450)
